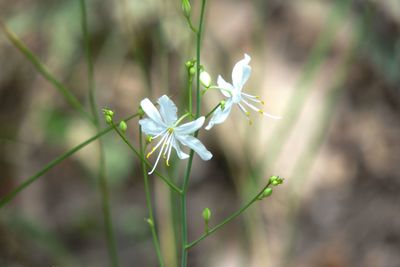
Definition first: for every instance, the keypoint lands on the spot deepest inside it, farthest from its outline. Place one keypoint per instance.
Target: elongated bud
(123, 126)
(205, 79)
(206, 214)
(186, 8)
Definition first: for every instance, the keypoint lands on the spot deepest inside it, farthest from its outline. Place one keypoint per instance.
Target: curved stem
(5, 200)
(149, 204)
(69, 97)
(228, 219)
(104, 189)
(189, 165)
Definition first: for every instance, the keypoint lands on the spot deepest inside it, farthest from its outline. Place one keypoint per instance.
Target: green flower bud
(123, 126)
(206, 214)
(275, 180)
(108, 119)
(267, 192)
(186, 8)
(108, 112)
(192, 71)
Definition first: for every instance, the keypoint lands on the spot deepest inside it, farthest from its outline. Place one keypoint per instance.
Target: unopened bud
(192, 71)
(205, 79)
(206, 214)
(186, 8)
(275, 180)
(108, 119)
(267, 192)
(123, 126)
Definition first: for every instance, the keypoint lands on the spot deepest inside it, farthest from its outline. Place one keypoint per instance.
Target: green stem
(5, 200)
(142, 159)
(190, 161)
(212, 111)
(70, 98)
(229, 219)
(148, 202)
(104, 189)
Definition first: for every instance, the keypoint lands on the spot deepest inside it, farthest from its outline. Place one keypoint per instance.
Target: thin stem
(148, 202)
(190, 162)
(104, 189)
(142, 159)
(228, 219)
(69, 97)
(212, 111)
(5, 200)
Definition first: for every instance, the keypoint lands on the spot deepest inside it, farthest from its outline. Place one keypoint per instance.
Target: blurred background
(331, 69)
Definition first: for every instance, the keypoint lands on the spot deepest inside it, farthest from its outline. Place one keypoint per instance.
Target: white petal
(225, 86)
(168, 110)
(190, 127)
(196, 145)
(179, 152)
(151, 111)
(241, 72)
(220, 115)
(150, 127)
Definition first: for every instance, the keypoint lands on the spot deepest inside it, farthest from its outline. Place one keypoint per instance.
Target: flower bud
(108, 112)
(192, 71)
(186, 8)
(275, 180)
(206, 214)
(205, 79)
(123, 126)
(108, 119)
(267, 192)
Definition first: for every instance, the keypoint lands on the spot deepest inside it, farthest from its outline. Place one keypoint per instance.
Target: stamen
(158, 144)
(252, 106)
(253, 98)
(246, 113)
(165, 138)
(169, 152)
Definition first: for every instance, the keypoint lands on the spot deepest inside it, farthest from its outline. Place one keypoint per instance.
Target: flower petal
(190, 127)
(168, 110)
(241, 72)
(150, 127)
(224, 86)
(220, 115)
(179, 152)
(151, 111)
(196, 145)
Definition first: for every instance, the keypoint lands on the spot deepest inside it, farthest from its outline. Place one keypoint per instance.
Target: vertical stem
(148, 202)
(104, 190)
(189, 165)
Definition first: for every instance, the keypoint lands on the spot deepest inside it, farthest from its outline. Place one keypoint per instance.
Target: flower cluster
(163, 123)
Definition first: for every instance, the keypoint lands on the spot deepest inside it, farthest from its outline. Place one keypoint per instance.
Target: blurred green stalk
(69, 97)
(104, 189)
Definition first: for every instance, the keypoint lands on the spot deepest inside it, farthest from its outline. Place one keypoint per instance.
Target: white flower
(163, 124)
(240, 74)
